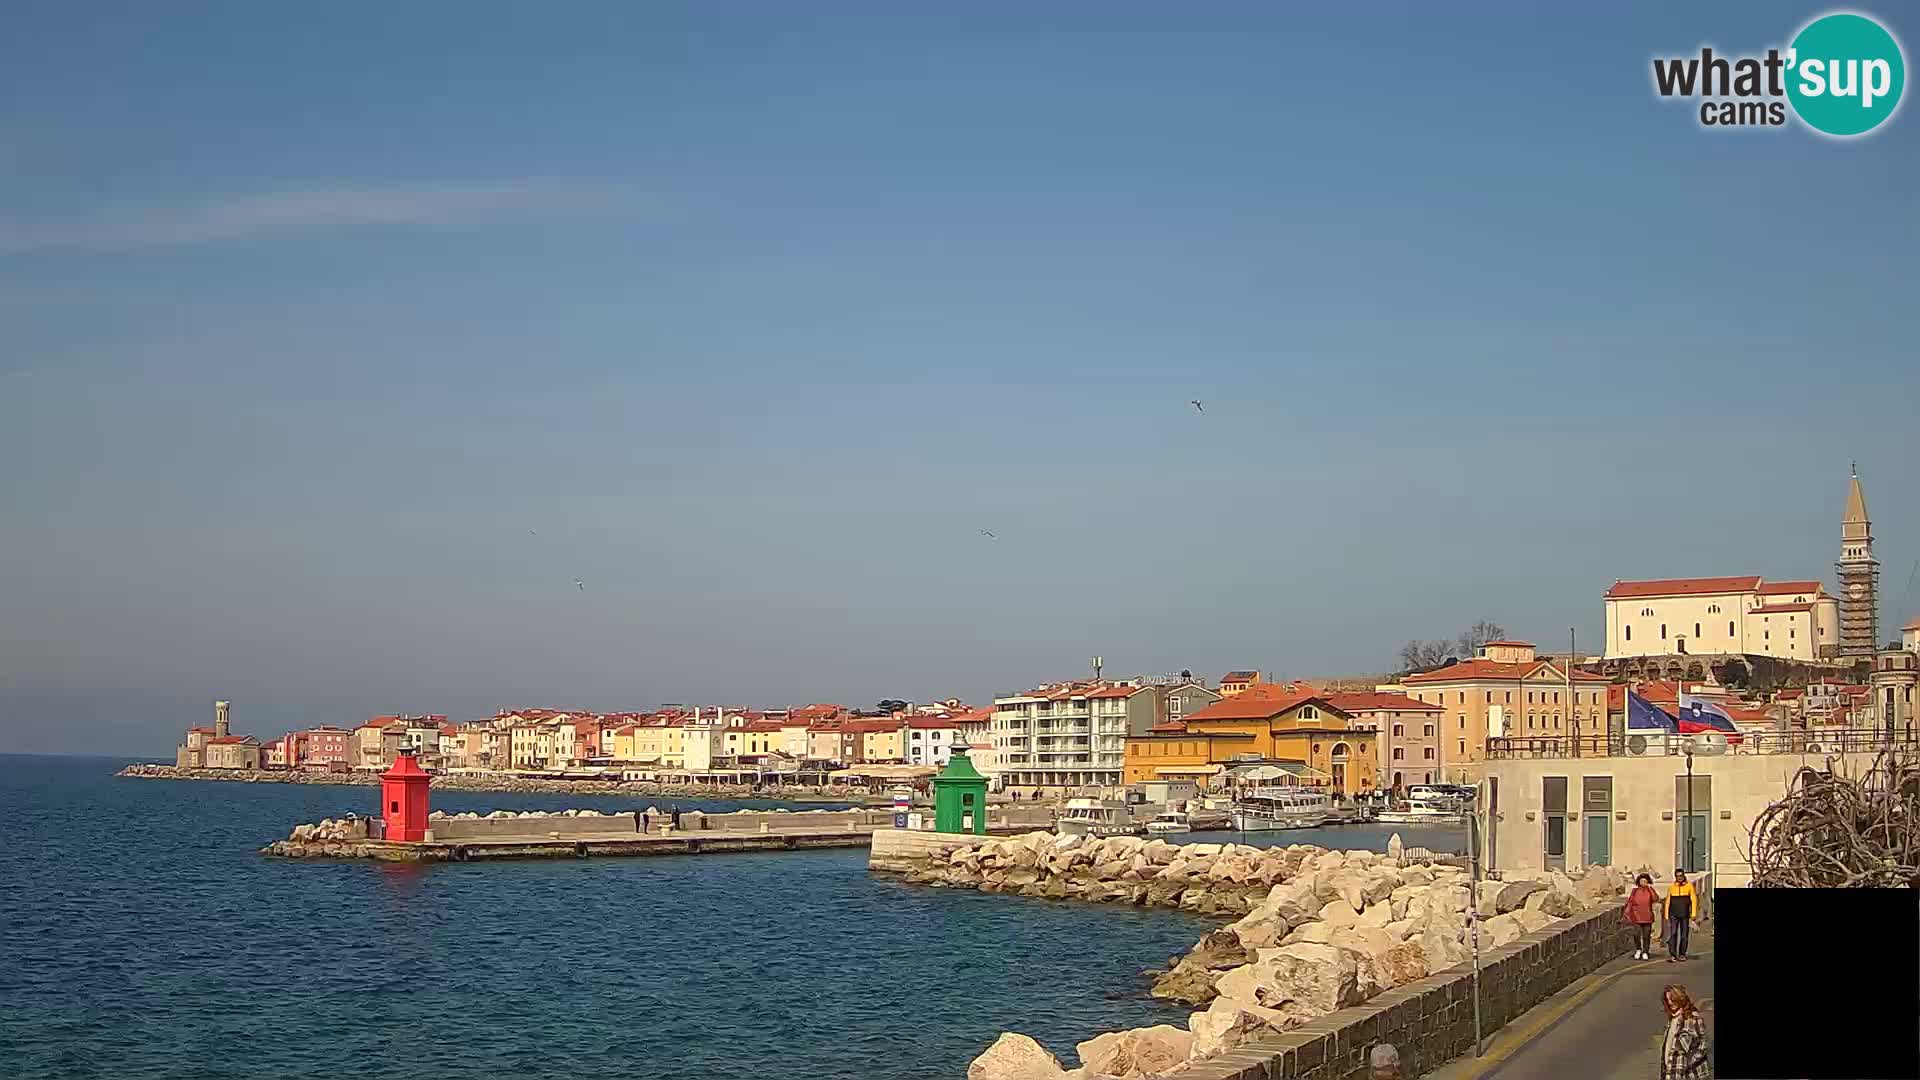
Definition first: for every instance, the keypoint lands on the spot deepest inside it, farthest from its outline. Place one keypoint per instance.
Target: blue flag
(1644, 716)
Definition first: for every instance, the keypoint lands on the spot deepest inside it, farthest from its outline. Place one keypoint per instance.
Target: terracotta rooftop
(928, 723)
(1469, 670)
(1775, 609)
(1778, 588)
(1254, 705)
(1697, 586)
(1240, 676)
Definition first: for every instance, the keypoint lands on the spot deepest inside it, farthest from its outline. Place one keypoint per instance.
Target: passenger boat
(1172, 821)
(1096, 817)
(1264, 809)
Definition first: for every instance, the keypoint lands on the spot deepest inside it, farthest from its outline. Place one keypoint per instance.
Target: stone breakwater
(524, 785)
(1318, 931)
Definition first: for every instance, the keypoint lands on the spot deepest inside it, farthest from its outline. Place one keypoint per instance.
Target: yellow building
(1235, 683)
(1506, 691)
(1266, 722)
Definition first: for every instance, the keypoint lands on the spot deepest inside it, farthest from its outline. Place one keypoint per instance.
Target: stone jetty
(1316, 931)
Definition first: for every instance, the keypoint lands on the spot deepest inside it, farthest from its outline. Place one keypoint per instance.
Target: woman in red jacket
(1639, 912)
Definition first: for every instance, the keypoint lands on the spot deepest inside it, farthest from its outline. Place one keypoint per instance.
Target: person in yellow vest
(1683, 906)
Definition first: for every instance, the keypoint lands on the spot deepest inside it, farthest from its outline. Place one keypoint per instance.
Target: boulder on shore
(1015, 1057)
(1142, 1052)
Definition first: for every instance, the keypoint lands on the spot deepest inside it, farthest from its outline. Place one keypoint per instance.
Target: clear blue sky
(756, 314)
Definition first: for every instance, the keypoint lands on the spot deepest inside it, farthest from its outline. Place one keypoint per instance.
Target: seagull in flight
(578, 584)
(1197, 406)
(988, 534)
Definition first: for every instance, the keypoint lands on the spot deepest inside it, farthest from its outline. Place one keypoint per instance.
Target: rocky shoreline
(1318, 931)
(639, 789)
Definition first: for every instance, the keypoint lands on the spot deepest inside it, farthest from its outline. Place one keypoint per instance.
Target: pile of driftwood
(1834, 831)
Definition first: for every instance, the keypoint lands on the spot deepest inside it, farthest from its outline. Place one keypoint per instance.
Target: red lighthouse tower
(403, 799)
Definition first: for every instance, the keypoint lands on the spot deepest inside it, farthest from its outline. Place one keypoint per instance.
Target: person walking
(676, 817)
(1683, 1054)
(1682, 907)
(1639, 911)
(644, 821)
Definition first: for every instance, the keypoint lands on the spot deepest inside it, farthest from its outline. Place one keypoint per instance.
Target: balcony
(1814, 742)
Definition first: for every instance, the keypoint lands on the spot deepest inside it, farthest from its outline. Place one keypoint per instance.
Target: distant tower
(1859, 574)
(220, 719)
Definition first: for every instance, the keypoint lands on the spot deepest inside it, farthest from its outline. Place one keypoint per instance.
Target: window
(1463, 723)
(1713, 609)
(1309, 713)
(1399, 730)
(1791, 633)
(1629, 631)
(1556, 697)
(1399, 753)
(1729, 627)
(1663, 631)
(1509, 697)
(1429, 753)
(1696, 629)
(1463, 698)
(1647, 611)
(1489, 697)
(1463, 746)
(1429, 731)
(1529, 697)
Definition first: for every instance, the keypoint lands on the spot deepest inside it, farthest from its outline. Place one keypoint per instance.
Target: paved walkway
(1607, 1026)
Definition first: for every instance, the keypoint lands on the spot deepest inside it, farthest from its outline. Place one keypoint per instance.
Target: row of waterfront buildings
(1779, 656)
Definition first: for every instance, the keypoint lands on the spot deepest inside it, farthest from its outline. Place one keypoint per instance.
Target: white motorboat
(1264, 809)
(1429, 808)
(1096, 817)
(1172, 821)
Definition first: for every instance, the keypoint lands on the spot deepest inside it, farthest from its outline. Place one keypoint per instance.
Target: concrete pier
(572, 836)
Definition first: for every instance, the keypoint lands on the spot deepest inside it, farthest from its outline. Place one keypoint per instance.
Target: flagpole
(1573, 715)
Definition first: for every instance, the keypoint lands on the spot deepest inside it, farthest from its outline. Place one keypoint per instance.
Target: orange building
(1268, 722)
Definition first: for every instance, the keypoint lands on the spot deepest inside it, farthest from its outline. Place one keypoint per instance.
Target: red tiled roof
(928, 723)
(228, 740)
(1775, 609)
(1468, 670)
(766, 725)
(1169, 727)
(1776, 588)
(1517, 644)
(1116, 691)
(865, 725)
(1699, 586)
(201, 730)
(1791, 695)
(1914, 624)
(1239, 676)
(1369, 701)
(1256, 705)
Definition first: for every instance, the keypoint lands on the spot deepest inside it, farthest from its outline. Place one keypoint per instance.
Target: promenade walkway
(1607, 1026)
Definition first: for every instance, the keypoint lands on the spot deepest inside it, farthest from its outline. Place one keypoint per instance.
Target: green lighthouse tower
(960, 797)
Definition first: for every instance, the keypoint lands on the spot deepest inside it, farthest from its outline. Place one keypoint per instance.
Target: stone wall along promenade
(1320, 933)
(1430, 1021)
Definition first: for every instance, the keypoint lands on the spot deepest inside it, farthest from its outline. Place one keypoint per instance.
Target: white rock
(1339, 913)
(1142, 1052)
(1015, 1057)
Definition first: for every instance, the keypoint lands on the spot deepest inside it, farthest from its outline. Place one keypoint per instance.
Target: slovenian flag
(1697, 714)
(1644, 717)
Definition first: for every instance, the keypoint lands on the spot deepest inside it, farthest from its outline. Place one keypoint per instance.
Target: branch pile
(1834, 831)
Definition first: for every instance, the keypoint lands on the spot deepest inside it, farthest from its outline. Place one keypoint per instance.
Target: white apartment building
(1792, 620)
(1069, 734)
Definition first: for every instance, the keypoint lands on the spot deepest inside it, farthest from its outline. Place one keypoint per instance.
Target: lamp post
(1473, 914)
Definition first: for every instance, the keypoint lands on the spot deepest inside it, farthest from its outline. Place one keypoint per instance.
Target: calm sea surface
(142, 936)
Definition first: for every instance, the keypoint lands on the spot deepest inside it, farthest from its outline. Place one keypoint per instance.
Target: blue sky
(333, 349)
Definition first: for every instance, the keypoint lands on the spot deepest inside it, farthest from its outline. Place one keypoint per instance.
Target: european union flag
(1644, 716)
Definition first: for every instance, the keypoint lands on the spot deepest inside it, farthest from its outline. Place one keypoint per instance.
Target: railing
(1815, 742)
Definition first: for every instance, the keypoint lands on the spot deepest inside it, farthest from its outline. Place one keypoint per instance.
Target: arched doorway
(1339, 770)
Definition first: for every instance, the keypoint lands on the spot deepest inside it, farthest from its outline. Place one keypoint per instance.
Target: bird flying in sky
(1197, 406)
(578, 584)
(988, 534)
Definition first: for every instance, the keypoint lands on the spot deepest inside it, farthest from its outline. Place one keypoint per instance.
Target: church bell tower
(1859, 574)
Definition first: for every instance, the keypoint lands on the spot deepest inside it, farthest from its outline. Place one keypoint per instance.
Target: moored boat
(1097, 817)
(1265, 809)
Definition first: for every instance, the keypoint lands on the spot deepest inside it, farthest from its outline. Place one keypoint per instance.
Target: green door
(1599, 840)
